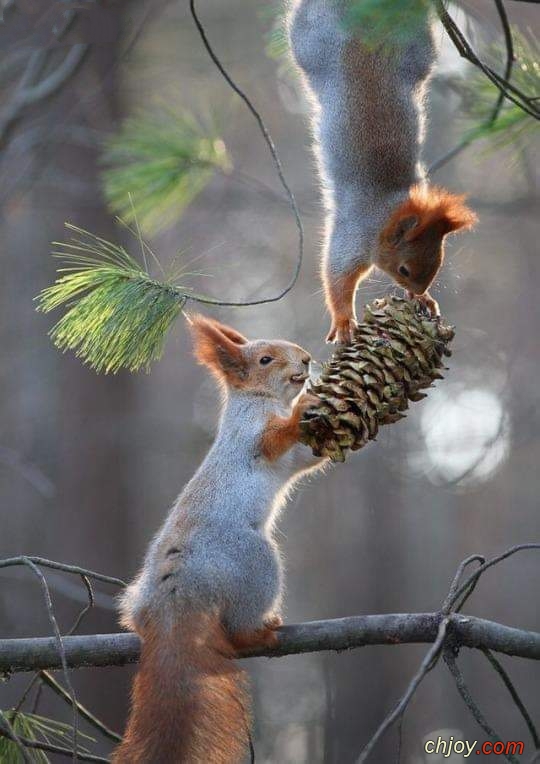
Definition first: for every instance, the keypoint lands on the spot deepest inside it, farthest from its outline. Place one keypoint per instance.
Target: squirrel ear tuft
(402, 227)
(219, 348)
(440, 209)
(427, 208)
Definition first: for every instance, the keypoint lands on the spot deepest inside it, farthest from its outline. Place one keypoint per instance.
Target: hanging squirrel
(368, 122)
(211, 582)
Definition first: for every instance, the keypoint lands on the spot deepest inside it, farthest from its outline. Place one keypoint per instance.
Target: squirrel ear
(218, 347)
(441, 211)
(402, 227)
(455, 214)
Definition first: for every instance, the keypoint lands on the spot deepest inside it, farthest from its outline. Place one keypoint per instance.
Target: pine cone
(396, 352)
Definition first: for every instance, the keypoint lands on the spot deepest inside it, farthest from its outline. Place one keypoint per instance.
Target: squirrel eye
(265, 360)
(404, 271)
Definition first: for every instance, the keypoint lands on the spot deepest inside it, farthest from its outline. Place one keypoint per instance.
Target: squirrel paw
(273, 622)
(342, 331)
(264, 637)
(304, 403)
(431, 305)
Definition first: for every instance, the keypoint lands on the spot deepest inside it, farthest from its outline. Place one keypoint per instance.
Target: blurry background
(90, 464)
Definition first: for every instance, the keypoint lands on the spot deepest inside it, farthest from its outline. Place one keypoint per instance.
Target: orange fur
(282, 433)
(433, 207)
(279, 436)
(189, 702)
(339, 293)
(219, 348)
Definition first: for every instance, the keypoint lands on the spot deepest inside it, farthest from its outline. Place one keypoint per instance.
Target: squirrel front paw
(431, 305)
(304, 403)
(342, 331)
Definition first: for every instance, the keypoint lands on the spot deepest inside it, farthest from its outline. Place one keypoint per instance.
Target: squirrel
(368, 119)
(212, 579)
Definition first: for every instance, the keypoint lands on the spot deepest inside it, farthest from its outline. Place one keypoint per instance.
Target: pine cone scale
(396, 353)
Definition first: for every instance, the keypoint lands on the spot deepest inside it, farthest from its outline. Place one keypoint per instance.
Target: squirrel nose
(306, 360)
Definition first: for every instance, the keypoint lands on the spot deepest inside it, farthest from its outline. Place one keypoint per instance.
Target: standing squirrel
(211, 582)
(368, 121)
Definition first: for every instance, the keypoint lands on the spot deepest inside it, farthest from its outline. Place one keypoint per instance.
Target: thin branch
(10, 561)
(499, 668)
(473, 578)
(51, 682)
(429, 662)
(28, 91)
(463, 690)
(86, 609)
(451, 597)
(36, 653)
(279, 168)
(59, 647)
(466, 51)
(54, 81)
(509, 42)
(50, 748)
(525, 102)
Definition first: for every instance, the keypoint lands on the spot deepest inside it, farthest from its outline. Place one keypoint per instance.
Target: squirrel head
(411, 245)
(272, 368)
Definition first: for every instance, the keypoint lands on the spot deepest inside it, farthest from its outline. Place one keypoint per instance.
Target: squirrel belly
(212, 579)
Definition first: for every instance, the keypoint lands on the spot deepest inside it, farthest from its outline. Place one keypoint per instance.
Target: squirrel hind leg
(342, 330)
(340, 294)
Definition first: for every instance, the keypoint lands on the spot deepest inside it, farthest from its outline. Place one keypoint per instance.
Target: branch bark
(37, 653)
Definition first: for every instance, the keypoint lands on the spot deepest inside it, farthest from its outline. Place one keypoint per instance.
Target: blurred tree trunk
(65, 475)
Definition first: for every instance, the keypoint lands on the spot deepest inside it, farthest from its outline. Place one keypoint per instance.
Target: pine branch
(118, 315)
(157, 165)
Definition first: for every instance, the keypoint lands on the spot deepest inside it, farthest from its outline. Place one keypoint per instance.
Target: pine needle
(387, 22)
(479, 95)
(158, 163)
(39, 729)
(117, 315)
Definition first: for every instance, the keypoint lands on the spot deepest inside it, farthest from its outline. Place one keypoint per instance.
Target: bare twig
(51, 682)
(429, 662)
(473, 578)
(463, 690)
(10, 561)
(509, 43)
(465, 51)
(279, 168)
(525, 102)
(59, 645)
(49, 748)
(86, 609)
(499, 668)
(450, 599)
(29, 92)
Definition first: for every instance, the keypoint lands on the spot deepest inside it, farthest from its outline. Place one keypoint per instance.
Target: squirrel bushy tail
(189, 701)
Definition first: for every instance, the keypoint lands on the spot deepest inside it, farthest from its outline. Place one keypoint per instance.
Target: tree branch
(37, 653)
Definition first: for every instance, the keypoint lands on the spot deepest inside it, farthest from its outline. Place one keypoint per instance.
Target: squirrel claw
(341, 332)
(431, 305)
(273, 622)
(306, 402)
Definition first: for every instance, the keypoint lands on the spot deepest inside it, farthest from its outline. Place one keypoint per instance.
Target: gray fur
(216, 549)
(368, 123)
